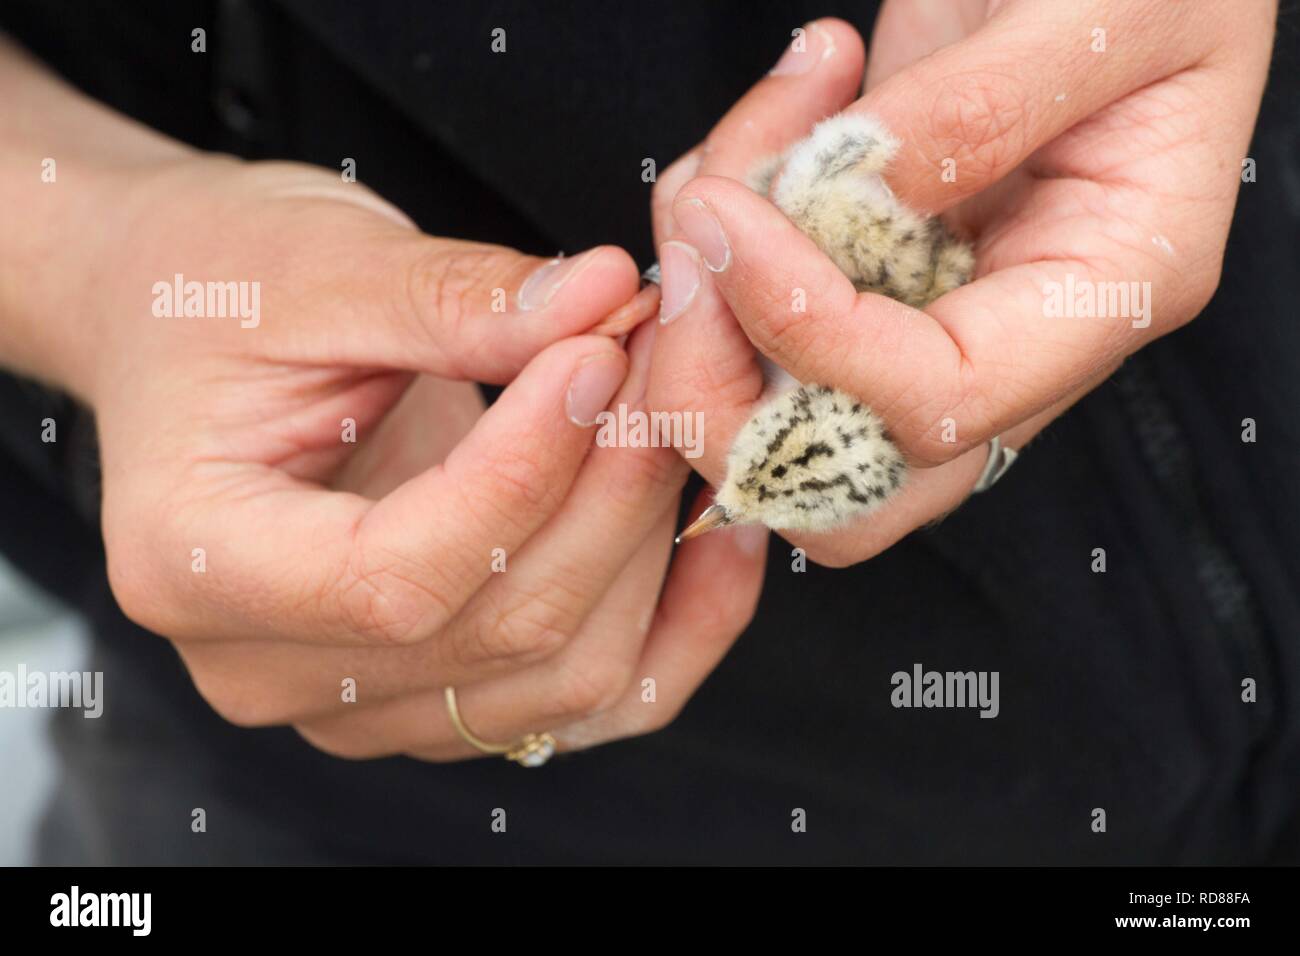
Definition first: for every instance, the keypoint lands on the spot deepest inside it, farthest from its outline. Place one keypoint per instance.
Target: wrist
(66, 164)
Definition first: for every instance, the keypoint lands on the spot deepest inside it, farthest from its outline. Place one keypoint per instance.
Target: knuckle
(668, 391)
(445, 286)
(439, 278)
(701, 387)
(389, 603)
(980, 121)
(943, 416)
(371, 613)
(530, 628)
(521, 638)
(517, 478)
(777, 327)
(641, 473)
(592, 687)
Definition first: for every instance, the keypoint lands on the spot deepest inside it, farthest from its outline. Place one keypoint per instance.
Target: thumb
(462, 310)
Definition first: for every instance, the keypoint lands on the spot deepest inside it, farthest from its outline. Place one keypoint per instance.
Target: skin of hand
(325, 561)
(1078, 156)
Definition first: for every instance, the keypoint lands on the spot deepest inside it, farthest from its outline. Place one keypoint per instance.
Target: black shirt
(1118, 690)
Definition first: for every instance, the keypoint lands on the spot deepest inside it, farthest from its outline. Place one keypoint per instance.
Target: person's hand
(338, 586)
(1077, 143)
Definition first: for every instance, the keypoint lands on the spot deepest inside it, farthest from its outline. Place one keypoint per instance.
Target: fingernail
(750, 538)
(540, 287)
(705, 233)
(679, 265)
(805, 51)
(593, 384)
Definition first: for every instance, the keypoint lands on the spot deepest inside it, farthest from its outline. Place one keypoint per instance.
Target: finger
(642, 306)
(703, 363)
(483, 313)
(709, 368)
(544, 595)
(591, 673)
(398, 299)
(975, 110)
(440, 411)
(498, 486)
(709, 599)
(245, 682)
(262, 684)
(976, 361)
(339, 569)
(563, 572)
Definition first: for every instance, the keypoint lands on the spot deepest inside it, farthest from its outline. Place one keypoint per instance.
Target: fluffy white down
(813, 458)
(810, 459)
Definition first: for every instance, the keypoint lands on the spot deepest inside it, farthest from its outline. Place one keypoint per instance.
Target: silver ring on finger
(1000, 459)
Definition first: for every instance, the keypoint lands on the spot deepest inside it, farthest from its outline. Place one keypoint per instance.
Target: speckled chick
(810, 460)
(831, 187)
(814, 458)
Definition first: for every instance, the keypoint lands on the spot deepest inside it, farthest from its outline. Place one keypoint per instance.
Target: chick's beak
(710, 519)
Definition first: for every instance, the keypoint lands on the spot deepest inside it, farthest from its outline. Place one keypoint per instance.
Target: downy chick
(813, 458)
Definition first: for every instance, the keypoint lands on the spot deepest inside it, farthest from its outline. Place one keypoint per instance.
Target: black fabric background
(1118, 690)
